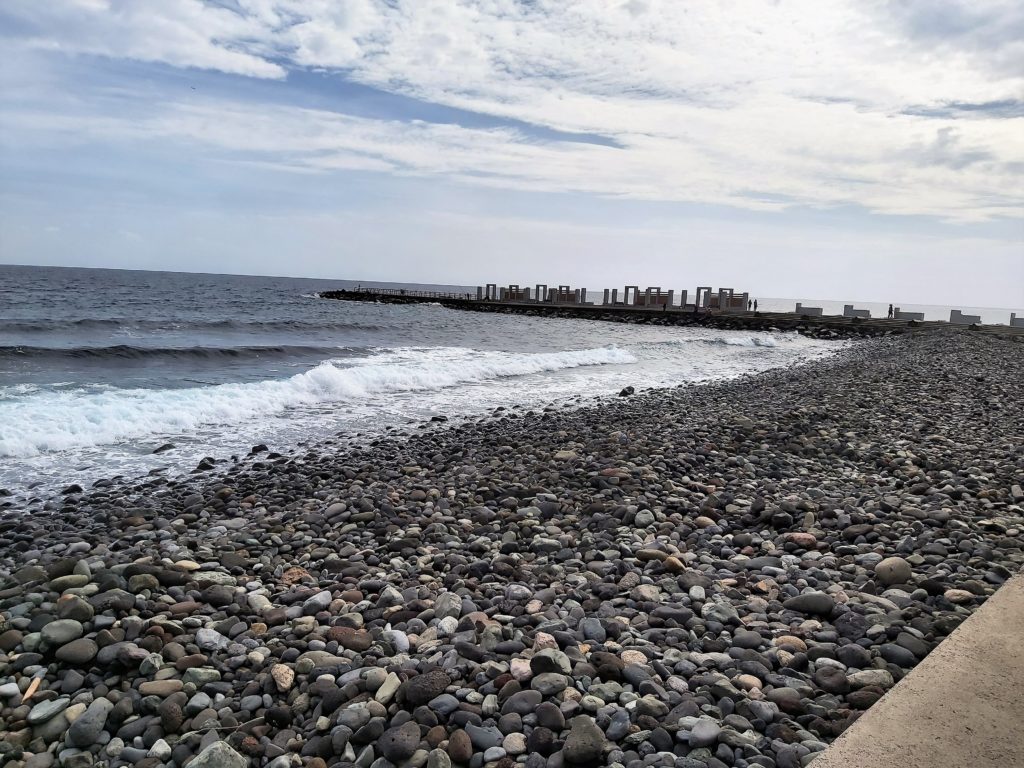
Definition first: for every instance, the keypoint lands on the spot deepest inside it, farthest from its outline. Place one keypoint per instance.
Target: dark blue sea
(100, 368)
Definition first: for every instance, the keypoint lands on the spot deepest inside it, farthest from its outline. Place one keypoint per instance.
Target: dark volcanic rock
(421, 689)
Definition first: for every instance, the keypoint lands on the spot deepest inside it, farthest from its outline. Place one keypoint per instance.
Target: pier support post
(668, 304)
(615, 295)
(725, 299)
(682, 299)
(957, 317)
(604, 301)
(479, 293)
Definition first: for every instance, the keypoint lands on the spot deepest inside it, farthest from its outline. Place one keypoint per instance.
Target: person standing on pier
(755, 305)
(749, 304)
(890, 312)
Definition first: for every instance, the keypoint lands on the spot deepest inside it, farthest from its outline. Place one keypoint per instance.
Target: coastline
(693, 572)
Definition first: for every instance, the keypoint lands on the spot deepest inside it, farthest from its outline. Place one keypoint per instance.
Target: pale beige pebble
(187, 565)
(959, 596)
(570, 694)
(514, 744)
(678, 684)
(703, 522)
(674, 564)
(534, 606)
(283, 676)
(865, 677)
(543, 640)
(785, 658)
(74, 712)
(634, 657)
(747, 682)
(790, 643)
(758, 604)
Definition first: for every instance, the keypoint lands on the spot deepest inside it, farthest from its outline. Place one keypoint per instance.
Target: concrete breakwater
(699, 577)
(817, 326)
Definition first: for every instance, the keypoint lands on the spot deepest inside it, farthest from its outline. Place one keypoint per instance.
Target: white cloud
(742, 103)
(182, 33)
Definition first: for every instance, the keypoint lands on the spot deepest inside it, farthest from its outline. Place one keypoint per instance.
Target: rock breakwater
(828, 327)
(723, 575)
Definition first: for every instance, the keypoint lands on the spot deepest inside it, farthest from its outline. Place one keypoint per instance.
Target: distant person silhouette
(749, 304)
(755, 305)
(891, 314)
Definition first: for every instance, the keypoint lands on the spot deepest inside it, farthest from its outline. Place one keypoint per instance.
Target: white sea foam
(749, 341)
(770, 341)
(55, 421)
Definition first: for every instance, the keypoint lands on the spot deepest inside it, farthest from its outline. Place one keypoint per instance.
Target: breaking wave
(54, 421)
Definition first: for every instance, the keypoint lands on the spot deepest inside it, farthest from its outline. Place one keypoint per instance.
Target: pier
(723, 308)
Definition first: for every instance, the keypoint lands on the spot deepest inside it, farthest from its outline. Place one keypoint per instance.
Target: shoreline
(699, 574)
(207, 462)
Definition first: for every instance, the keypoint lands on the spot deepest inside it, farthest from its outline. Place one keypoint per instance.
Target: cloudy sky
(814, 148)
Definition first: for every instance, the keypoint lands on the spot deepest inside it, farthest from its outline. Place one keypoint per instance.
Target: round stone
(62, 631)
(893, 570)
(80, 651)
(814, 603)
(549, 683)
(460, 747)
(704, 733)
(399, 743)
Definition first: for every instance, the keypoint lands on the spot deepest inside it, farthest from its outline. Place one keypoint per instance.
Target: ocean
(100, 369)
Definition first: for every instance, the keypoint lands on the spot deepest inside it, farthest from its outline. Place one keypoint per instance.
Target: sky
(858, 149)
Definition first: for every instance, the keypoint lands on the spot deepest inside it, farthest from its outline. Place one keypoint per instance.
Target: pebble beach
(705, 576)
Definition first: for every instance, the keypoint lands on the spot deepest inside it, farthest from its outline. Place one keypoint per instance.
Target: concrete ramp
(962, 707)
